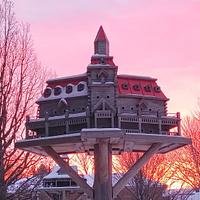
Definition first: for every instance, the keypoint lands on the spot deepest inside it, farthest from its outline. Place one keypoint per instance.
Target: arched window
(136, 87)
(69, 89)
(80, 87)
(125, 86)
(147, 88)
(57, 90)
(157, 89)
(47, 92)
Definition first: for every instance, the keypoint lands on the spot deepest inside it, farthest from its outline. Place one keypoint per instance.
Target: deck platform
(103, 143)
(85, 140)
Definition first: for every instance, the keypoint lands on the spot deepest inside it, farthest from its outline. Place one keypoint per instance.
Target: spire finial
(101, 43)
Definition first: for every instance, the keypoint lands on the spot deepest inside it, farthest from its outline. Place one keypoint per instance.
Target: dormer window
(80, 87)
(47, 92)
(136, 87)
(147, 88)
(69, 89)
(57, 90)
(157, 89)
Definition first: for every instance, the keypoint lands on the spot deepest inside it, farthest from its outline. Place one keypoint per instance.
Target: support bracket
(69, 170)
(135, 168)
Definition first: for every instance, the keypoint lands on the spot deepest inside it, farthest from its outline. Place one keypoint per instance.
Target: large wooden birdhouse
(100, 98)
(102, 113)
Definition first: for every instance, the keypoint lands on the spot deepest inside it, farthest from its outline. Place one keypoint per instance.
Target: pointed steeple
(101, 36)
(101, 43)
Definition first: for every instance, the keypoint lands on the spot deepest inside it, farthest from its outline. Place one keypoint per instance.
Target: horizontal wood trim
(87, 138)
(48, 141)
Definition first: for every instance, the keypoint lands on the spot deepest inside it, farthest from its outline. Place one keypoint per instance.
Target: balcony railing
(135, 123)
(170, 121)
(46, 123)
(150, 119)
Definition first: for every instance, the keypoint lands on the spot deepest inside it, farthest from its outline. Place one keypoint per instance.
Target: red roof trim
(75, 77)
(134, 77)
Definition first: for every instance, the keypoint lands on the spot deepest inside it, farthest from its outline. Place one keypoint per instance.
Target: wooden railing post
(159, 122)
(160, 125)
(139, 120)
(140, 124)
(88, 116)
(112, 120)
(66, 121)
(95, 120)
(179, 123)
(119, 117)
(46, 124)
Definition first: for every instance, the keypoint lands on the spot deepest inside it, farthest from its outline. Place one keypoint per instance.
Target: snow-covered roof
(54, 174)
(100, 129)
(99, 55)
(99, 82)
(135, 77)
(99, 65)
(194, 196)
(88, 177)
(27, 183)
(67, 77)
(72, 115)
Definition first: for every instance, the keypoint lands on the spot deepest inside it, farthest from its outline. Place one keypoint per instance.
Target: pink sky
(157, 38)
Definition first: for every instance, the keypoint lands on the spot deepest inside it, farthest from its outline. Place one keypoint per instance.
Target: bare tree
(28, 187)
(25, 188)
(187, 166)
(84, 162)
(147, 184)
(152, 181)
(21, 79)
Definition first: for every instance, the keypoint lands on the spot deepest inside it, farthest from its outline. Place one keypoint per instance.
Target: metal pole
(46, 124)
